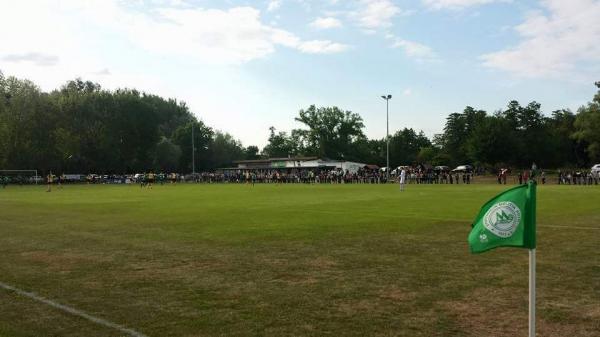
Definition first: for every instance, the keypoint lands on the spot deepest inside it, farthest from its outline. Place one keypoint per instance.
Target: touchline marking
(72, 311)
(573, 227)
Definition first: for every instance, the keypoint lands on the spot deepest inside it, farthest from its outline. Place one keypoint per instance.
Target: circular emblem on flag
(502, 219)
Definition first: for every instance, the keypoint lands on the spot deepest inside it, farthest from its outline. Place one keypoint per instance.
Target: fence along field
(284, 260)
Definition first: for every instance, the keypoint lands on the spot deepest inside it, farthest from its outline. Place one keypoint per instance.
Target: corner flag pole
(532, 292)
(532, 261)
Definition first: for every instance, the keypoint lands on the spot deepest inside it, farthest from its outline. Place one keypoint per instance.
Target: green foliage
(280, 145)
(251, 152)
(167, 156)
(587, 124)
(330, 133)
(202, 140)
(405, 146)
(83, 128)
(225, 150)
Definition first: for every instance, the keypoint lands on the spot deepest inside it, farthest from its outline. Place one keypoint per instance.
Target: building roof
(264, 160)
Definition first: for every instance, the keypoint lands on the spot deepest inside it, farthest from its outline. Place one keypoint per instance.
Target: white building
(294, 163)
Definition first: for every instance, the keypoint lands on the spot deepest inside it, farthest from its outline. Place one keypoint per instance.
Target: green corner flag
(507, 220)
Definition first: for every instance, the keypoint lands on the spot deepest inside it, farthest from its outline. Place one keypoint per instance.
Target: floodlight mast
(387, 135)
(193, 152)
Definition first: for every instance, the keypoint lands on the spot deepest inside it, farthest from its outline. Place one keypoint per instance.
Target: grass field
(292, 260)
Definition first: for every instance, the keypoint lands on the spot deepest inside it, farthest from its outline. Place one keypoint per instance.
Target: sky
(243, 66)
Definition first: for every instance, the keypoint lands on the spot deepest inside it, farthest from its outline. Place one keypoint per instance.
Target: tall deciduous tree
(405, 146)
(225, 150)
(168, 156)
(280, 145)
(330, 132)
(587, 127)
(202, 139)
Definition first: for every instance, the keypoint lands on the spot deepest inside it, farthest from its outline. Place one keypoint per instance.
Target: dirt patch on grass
(296, 279)
(503, 312)
(358, 306)
(60, 261)
(397, 294)
(165, 270)
(322, 262)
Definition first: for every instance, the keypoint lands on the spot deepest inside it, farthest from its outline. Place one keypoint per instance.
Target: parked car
(596, 169)
(463, 168)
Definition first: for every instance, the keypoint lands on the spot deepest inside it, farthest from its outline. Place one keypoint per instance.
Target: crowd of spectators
(414, 175)
(578, 178)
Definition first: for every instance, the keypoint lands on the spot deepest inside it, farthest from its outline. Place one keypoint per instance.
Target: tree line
(83, 128)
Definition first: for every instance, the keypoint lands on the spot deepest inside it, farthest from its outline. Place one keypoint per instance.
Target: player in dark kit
(151, 178)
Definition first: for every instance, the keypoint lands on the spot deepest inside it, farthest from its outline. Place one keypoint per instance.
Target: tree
(369, 151)
(330, 131)
(202, 139)
(405, 146)
(587, 127)
(167, 156)
(459, 128)
(4, 130)
(251, 152)
(488, 143)
(280, 145)
(83, 128)
(225, 150)
(564, 149)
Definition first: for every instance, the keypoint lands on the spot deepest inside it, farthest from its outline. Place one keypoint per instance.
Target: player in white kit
(402, 179)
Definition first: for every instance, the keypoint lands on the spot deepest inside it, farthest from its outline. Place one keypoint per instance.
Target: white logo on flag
(502, 219)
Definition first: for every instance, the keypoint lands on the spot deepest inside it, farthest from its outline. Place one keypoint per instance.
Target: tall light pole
(387, 134)
(193, 152)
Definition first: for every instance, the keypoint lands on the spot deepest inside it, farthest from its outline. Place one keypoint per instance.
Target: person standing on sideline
(520, 178)
(151, 178)
(49, 180)
(402, 179)
(543, 176)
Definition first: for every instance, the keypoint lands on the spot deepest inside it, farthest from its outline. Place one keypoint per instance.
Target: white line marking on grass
(72, 311)
(570, 227)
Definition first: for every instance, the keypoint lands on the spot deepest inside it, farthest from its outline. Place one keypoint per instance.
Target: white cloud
(407, 92)
(273, 5)
(230, 36)
(326, 23)
(102, 72)
(322, 47)
(212, 36)
(216, 36)
(414, 49)
(375, 14)
(457, 4)
(561, 42)
(38, 59)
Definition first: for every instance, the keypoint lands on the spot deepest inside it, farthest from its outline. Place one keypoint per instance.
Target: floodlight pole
(193, 152)
(387, 135)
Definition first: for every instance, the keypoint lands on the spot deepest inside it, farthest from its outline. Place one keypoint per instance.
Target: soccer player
(150, 179)
(49, 180)
(402, 179)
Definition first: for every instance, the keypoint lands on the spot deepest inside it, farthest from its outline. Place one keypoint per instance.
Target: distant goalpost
(20, 173)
